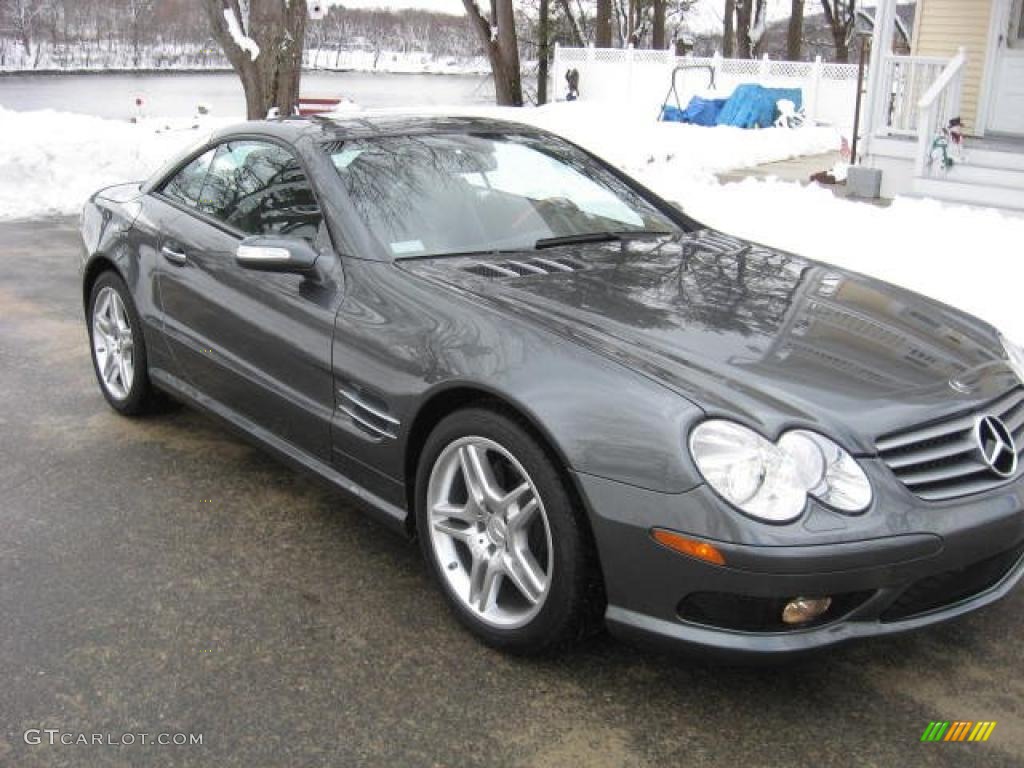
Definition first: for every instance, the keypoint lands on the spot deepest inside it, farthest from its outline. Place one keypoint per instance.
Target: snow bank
(640, 145)
(50, 162)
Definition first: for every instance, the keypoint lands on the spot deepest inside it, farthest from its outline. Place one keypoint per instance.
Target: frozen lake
(170, 94)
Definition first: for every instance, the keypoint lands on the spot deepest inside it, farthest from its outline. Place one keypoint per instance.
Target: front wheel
(118, 347)
(501, 534)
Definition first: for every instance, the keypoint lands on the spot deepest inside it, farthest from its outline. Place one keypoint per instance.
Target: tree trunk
(603, 24)
(840, 16)
(542, 54)
(271, 78)
(744, 10)
(574, 27)
(502, 48)
(795, 33)
(728, 29)
(759, 22)
(658, 28)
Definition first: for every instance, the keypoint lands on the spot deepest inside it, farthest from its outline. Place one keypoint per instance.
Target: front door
(1006, 112)
(255, 343)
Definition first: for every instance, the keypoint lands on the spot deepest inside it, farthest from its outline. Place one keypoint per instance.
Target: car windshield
(442, 194)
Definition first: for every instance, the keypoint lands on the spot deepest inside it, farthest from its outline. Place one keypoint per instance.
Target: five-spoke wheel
(499, 527)
(112, 343)
(489, 530)
(118, 346)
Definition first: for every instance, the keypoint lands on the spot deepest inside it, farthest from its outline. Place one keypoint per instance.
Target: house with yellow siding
(964, 77)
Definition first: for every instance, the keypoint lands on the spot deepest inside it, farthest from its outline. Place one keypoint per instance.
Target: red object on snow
(312, 105)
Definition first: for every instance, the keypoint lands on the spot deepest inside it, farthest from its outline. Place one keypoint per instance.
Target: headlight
(1015, 356)
(749, 472)
(771, 481)
(828, 472)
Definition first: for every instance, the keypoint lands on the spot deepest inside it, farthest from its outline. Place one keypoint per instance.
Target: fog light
(800, 610)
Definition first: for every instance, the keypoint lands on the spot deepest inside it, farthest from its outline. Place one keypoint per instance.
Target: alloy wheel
(112, 344)
(490, 532)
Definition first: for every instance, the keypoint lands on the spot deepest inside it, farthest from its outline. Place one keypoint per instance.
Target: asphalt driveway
(161, 576)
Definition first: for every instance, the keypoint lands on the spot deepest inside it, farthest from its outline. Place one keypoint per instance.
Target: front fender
(601, 418)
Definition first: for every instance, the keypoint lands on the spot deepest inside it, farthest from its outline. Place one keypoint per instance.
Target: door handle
(173, 256)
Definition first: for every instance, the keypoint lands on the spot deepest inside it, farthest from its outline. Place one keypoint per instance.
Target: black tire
(142, 398)
(574, 602)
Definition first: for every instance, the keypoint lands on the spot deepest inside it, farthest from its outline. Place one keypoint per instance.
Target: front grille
(950, 587)
(940, 460)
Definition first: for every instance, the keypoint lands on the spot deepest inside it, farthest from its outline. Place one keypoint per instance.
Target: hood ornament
(959, 385)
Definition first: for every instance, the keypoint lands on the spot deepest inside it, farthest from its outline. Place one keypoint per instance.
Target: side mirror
(276, 254)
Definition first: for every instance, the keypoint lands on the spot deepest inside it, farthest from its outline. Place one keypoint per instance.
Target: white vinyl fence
(640, 78)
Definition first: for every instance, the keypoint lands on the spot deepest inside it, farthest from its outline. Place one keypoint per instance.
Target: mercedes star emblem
(996, 446)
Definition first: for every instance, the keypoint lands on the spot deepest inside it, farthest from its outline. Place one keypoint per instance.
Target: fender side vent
(367, 413)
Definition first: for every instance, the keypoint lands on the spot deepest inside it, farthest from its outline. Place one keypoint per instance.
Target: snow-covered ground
(403, 62)
(50, 162)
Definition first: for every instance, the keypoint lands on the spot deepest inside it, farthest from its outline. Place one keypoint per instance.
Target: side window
(260, 189)
(187, 184)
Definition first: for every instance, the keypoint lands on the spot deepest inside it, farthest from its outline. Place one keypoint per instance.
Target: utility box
(863, 182)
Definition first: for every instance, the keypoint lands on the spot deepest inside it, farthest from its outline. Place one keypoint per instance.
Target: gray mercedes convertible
(587, 407)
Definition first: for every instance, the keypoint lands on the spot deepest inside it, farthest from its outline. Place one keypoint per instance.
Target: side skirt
(392, 516)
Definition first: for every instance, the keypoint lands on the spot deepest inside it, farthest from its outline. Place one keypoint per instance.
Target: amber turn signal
(698, 549)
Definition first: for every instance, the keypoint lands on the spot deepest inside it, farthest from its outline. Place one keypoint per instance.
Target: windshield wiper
(597, 237)
(476, 252)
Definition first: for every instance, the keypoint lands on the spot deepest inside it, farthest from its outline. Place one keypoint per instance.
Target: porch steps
(990, 158)
(972, 194)
(983, 177)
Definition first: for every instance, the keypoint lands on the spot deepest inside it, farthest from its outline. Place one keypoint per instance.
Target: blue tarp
(753, 106)
(698, 112)
(703, 111)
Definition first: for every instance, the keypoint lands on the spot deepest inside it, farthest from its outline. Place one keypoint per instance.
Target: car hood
(750, 332)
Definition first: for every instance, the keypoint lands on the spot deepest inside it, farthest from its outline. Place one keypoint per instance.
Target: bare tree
(499, 39)
(744, 11)
(575, 32)
(795, 31)
(603, 31)
(658, 25)
(751, 23)
(139, 19)
(758, 26)
(23, 16)
(264, 46)
(544, 32)
(729, 29)
(841, 17)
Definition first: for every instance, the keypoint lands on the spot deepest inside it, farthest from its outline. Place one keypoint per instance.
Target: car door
(257, 343)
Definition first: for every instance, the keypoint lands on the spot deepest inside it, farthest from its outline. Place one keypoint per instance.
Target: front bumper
(903, 565)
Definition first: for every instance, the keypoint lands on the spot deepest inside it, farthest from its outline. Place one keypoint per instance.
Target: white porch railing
(905, 80)
(939, 105)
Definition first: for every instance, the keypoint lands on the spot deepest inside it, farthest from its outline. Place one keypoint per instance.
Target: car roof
(367, 125)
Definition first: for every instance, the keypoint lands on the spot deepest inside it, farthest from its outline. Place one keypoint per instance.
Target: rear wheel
(501, 534)
(118, 347)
